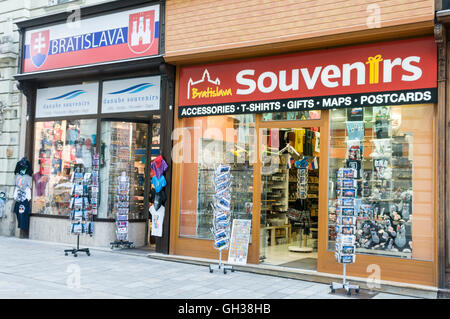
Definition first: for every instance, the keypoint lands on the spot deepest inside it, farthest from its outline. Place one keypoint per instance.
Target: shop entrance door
(126, 149)
(290, 206)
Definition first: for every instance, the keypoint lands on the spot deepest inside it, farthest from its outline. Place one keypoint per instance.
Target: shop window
(60, 147)
(391, 148)
(123, 152)
(292, 116)
(202, 144)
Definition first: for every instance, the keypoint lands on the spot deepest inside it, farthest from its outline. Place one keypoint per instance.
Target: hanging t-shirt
(23, 187)
(46, 166)
(355, 164)
(382, 128)
(299, 140)
(355, 130)
(283, 139)
(159, 166)
(22, 211)
(316, 143)
(159, 183)
(274, 138)
(72, 135)
(308, 146)
(157, 220)
(47, 144)
(56, 166)
(40, 182)
(355, 114)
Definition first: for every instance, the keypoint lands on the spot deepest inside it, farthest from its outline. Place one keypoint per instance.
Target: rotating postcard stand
(346, 225)
(81, 207)
(221, 214)
(123, 208)
(301, 218)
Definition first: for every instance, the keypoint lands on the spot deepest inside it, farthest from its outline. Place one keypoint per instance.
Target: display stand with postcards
(222, 214)
(83, 203)
(123, 208)
(346, 225)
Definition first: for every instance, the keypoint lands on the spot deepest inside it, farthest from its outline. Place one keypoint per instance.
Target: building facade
(98, 115)
(12, 102)
(266, 76)
(267, 87)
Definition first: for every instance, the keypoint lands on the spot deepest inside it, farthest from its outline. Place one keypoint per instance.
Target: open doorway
(128, 148)
(290, 197)
(155, 151)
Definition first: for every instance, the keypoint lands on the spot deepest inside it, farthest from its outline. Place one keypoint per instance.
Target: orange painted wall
(197, 26)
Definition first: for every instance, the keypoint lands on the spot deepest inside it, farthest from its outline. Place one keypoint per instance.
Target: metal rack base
(220, 266)
(122, 244)
(74, 251)
(344, 285)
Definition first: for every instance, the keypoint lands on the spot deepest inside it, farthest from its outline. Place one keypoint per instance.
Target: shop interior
(290, 197)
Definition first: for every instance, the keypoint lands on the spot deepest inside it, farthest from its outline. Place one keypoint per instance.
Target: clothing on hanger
(299, 139)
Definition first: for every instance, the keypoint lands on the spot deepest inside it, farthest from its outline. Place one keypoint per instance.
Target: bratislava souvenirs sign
(117, 36)
(388, 73)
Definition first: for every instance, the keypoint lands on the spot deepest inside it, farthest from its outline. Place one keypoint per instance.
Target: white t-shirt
(157, 220)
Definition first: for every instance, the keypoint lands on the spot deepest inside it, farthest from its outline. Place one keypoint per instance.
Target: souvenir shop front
(95, 124)
(286, 124)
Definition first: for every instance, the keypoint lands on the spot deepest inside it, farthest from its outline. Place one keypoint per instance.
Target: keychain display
(302, 183)
(221, 208)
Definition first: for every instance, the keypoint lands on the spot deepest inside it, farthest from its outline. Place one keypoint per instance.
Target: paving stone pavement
(39, 270)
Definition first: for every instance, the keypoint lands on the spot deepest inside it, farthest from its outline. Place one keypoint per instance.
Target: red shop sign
(388, 73)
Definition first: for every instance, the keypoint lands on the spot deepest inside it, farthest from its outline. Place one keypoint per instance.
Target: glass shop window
(202, 144)
(59, 148)
(123, 150)
(391, 147)
(292, 116)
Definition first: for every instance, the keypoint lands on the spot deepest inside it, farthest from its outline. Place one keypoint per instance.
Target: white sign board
(240, 238)
(131, 95)
(68, 100)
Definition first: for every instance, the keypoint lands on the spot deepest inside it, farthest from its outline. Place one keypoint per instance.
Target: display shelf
(384, 253)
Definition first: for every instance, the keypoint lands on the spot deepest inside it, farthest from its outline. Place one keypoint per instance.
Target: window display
(390, 149)
(124, 152)
(228, 140)
(60, 147)
(291, 116)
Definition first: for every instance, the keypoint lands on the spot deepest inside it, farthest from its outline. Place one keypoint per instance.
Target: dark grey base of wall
(57, 230)
(444, 294)
(24, 234)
